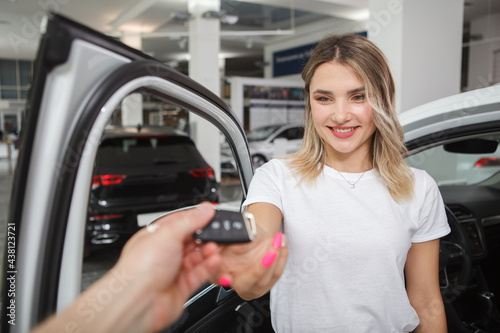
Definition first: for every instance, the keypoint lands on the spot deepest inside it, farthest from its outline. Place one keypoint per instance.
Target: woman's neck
(352, 163)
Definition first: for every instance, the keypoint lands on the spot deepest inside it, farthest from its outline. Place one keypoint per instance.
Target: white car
(265, 143)
(456, 140)
(468, 161)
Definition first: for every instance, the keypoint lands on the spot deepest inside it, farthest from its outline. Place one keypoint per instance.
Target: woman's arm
(268, 216)
(253, 268)
(422, 285)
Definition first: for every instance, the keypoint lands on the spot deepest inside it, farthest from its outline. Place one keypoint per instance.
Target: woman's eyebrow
(327, 92)
(323, 92)
(356, 90)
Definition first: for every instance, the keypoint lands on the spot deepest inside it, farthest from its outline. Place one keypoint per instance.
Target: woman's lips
(343, 132)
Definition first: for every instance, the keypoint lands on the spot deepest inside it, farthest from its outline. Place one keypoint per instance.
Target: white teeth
(345, 130)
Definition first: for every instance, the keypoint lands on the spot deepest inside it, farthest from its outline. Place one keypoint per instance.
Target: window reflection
(463, 165)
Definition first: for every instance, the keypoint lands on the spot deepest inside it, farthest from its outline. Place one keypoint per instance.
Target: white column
(204, 47)
(237, 100)
(482, 51)
(423, 42)
(132, 112)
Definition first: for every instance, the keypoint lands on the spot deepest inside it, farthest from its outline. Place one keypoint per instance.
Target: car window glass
(261, 133)
(284, 135)
(143, 171)
(295, 133)
(135, 152)
(458, 168)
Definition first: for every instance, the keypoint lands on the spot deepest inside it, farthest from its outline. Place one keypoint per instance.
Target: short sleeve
(265, 185)
(433, 222)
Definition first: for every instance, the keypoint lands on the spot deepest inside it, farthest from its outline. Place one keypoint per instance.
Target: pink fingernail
(269, 258)
(225, 281)
(277, 241)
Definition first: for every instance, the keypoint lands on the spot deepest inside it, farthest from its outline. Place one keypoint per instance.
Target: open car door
(80, 78)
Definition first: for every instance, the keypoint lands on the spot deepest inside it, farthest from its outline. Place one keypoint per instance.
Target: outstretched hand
(165, 255)
(251, 269)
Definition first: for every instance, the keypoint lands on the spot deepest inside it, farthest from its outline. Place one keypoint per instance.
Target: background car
(456, 140)
(265, 143)
(142, 170)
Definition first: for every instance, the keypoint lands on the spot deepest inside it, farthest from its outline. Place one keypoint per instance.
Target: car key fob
(228, 227)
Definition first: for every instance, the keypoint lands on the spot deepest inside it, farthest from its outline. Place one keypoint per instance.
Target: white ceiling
(19, 21)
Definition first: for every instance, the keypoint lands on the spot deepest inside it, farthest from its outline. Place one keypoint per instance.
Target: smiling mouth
(343, 130)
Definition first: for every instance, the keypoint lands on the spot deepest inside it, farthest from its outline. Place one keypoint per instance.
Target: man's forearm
(115, 303)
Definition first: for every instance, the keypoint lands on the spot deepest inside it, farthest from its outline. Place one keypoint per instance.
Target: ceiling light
(180, 16)
(212, 14)
(222, 16)
(182, 43)
(248, 43)
(229, 19)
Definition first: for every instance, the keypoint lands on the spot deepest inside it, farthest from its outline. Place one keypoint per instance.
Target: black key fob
(228, 227)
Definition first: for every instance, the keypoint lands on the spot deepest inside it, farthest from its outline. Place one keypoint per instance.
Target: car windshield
(466, 162)
(145, 151)
(262, 133)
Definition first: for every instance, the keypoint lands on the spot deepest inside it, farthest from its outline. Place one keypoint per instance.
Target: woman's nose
(341, 112)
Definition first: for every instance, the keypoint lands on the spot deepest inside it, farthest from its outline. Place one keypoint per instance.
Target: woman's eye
(359, 98)
(322, 99)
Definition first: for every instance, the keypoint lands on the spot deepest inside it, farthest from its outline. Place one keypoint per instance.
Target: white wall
(481, 51)
(423, 46)
(432, 51)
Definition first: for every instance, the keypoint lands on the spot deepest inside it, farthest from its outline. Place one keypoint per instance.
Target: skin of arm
(268, 216)
(145, 291)
(243, 263)
(422, 285)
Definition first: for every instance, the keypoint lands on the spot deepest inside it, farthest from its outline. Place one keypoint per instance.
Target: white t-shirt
(347, 249)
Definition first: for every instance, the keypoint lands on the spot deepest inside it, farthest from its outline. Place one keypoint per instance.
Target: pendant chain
(348, 182)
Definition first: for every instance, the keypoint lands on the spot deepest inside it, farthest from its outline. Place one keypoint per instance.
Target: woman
(358, 222)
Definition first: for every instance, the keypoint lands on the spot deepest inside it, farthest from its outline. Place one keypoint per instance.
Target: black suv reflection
(140, 172)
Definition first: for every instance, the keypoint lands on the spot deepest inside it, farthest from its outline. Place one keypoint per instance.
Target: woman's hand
(251, 269)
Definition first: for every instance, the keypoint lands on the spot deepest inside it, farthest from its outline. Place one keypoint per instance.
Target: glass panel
(24, 93)
(9, 94)
(458, 168)
(8, 73)
(25, 73)
(10, 123)
(244, 15)
(143, 172)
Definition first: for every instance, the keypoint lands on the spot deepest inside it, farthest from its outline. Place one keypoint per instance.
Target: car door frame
(80, 76)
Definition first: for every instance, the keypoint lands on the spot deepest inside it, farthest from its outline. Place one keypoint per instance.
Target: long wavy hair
(387, 149)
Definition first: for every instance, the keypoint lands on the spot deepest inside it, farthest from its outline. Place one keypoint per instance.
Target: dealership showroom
(114, 113)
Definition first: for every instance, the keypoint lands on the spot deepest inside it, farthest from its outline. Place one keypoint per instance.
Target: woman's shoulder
(419, 174)
(276, 167)
(277, 163)
(423, 179)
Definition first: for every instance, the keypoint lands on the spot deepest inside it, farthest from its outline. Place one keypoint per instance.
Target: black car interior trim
(491, 221)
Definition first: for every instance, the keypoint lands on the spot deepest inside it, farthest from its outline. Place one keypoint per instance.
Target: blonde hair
(388, 149)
